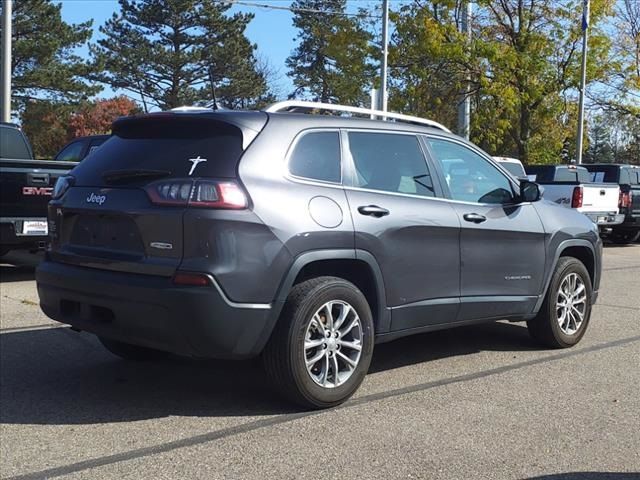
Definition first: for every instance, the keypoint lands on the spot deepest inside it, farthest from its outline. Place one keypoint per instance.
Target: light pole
(464, 107)
(583, 79)
(382, 99)
(5, 104)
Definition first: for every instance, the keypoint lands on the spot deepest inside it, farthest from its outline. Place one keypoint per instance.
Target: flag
(585, 14)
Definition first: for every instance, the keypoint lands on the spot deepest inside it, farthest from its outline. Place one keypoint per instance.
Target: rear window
(13, 144)
(578, 175)
(552, 174)
(183, 147)
(513, 168)
(604, 174)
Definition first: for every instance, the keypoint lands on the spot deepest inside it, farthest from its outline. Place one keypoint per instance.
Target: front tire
(134, 353)
(321, 348)
(564, 316)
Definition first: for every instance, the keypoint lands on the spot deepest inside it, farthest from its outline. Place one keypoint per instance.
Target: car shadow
(589, 476)
(19, 266)
(57, 376)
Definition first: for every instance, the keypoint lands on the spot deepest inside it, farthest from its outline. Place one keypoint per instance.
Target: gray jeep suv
(305, 239)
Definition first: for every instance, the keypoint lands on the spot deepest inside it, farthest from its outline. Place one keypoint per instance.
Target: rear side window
(390, 163)
(13, 144)
(182, 147)
(316, 156)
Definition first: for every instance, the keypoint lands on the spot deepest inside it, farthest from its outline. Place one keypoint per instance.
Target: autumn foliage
(50, 125)
(95, 118)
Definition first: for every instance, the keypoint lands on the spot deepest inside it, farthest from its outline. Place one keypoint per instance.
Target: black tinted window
(316, 155)
(71, 153)
(13, 144)
(181, 146)
(471, 177)
(389, 162)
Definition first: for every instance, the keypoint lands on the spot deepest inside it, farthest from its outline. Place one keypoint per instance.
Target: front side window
(470, 177)
(389, 163)
(316, 156)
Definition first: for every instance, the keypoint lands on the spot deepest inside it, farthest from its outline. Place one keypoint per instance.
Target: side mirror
(529, 191)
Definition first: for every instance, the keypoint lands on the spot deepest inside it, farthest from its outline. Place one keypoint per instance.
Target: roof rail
(288, 105)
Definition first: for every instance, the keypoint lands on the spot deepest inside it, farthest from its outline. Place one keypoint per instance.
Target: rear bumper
(11, 235)
(605, 219)
(150, 311)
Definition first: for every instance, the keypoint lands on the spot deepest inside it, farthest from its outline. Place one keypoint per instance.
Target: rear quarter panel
(281, 205)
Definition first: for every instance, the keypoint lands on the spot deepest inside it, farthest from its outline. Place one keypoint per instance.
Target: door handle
(474, 217)
(373, 210)
(38, 179)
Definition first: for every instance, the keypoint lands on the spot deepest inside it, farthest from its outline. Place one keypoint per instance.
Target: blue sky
(271, 30)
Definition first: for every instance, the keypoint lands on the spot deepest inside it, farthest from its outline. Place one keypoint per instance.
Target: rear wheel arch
(355, 266)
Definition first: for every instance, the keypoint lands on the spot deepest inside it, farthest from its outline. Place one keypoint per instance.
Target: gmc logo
(42, 191)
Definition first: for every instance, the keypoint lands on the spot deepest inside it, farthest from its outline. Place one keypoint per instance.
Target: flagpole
(583, 79)
(5, 77)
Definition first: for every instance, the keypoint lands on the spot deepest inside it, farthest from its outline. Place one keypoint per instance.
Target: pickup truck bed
(571, 187)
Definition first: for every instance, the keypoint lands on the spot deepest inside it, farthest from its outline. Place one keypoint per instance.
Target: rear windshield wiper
(123, 176)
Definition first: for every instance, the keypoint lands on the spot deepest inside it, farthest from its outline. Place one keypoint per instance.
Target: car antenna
(214, 105)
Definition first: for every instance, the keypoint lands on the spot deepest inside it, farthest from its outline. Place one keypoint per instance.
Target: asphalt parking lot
(473, 402)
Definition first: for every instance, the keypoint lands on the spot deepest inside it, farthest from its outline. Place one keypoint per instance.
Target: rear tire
(321, 347)
(134, 353)
(624, 237)
(564, 316)
(4, 251)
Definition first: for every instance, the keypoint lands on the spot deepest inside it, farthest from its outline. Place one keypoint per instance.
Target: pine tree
(178, 52)
(44, 64)
(332, 62)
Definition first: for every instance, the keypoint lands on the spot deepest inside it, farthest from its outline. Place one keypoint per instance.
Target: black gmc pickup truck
(628, 178)
(25, 189)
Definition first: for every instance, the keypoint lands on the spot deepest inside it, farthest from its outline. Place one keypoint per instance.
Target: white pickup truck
(571, 186)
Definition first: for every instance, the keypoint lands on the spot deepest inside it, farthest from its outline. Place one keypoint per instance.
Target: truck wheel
(321, 347)
(564, 315)
(623, 237)
(131, 352)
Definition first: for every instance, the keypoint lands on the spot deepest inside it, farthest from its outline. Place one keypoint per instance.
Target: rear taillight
(576, 198)
(625, 199)
(225, 194)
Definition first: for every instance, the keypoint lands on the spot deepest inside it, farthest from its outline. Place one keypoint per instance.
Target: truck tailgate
(26, 186)
(600, 198)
